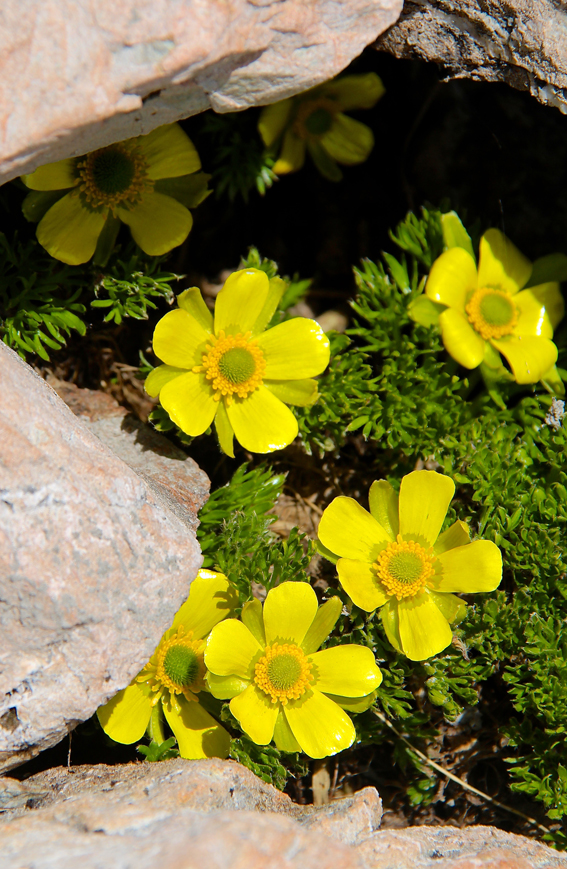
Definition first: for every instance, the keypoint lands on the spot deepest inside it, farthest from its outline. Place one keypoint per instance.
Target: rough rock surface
(95, 72)
(521, 42)
(187, 814)
(93, 566)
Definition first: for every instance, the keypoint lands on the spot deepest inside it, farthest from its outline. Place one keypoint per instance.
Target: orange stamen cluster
(283, 673)
(493, 313)
(113, 176)
(307, 109)
(156, 675)
(404, 568)
(234, 364)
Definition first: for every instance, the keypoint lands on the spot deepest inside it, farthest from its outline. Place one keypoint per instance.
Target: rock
(520, 42)
(93, 566)
(183, 814)
(94, 72)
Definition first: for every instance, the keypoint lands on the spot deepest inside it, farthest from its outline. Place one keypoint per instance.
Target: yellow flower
(395, 558)
(232, 371)
(174, 678)
(314, 121)
(280, 686)
(488, 313)
(142, 182)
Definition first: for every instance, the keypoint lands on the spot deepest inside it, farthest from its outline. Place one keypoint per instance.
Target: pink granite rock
(93, 566)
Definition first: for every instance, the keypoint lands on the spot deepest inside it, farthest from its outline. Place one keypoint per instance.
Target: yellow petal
(476, 567)
(451, 606)
(349, 670)
(353, 704)
(283, 737)
(277, 288)
(320, 726)
(254, 620)
(69, 232)
(158, 223)
(125, 718)
(534, 307)
(391, 623)
(232, 650)
(350, 531)
(322, 625)
(226, 687)
(383, 503)
(452, 277)
(501, 265)
(460, 339)
(424, 500)
(180, 340)
(424, 630)
(156, 379)
(192, 301)
(361, 584)
(224, 430)
(256, 713)
(198, 734)
(529, 356)
(356, 91)
(292, 155)
(261, 422)
(348, 141)
(289, 611)
(211, 599)
(189, 402)
(273, 120)
(169, 152)
(457, 534)
(241, 300)
(295, 349)
(301, 393)
(54, 176)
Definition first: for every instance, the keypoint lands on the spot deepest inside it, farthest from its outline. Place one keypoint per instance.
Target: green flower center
(497, 309)
(406, 567)
(181, 665)
(493, 313)
(319, 122)
(284, 671)
(237, 365)
(112, 176)
(112, 170)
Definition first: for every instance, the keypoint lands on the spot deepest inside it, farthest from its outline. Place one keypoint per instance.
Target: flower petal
(126, 716)
(273, 120)
(361, 584)
(356, 91)
(383, 503)
(452, 607)
(292, 154)
(192, 301)
(261, 422)
(301, 393)
(391, 623)
(457, 534)
(460, 339)
(254, 620)
(348, 141)
(529, 356)
(295, 349)
(158, 223)
(169, 152)
(189, 402)
(320, 726)
(283, 736)
(54, 176)
(69, 232)
(179, 339)
(232, 650)
(241, 300)
(452, 276)
(156, 379)
(277, 288)
(349, 670)
(476, 567)
(501, 265)
(354, 704)
(424, 500)
(424, 630)
(350, 531)
(551, 297)
(198, 734)
(534, 307)
(224, 430)
(322, 625)
(226, 687)
(256, 713)
(289, 611)
(211, 599)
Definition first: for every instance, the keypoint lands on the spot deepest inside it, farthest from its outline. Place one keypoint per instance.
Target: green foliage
(128, 286)
(263, 760)
(154, 752)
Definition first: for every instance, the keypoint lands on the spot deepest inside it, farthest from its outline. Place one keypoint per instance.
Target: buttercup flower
(173, 680)
(314, 121)
(228, 369)
(281, 687)
(142, 182)
(395, 558)
(489, 313)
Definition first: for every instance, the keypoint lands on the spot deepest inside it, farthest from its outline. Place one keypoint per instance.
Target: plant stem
(155, 727)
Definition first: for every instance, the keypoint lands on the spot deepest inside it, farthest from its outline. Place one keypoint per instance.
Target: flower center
(492, 313)
(284, 673)
(116, 175)
(404, 568)
(233, 364)
(177, 666)
(181, 665)
(314, 117)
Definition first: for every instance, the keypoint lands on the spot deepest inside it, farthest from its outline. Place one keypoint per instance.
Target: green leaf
(454, 233)
(548, 268)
